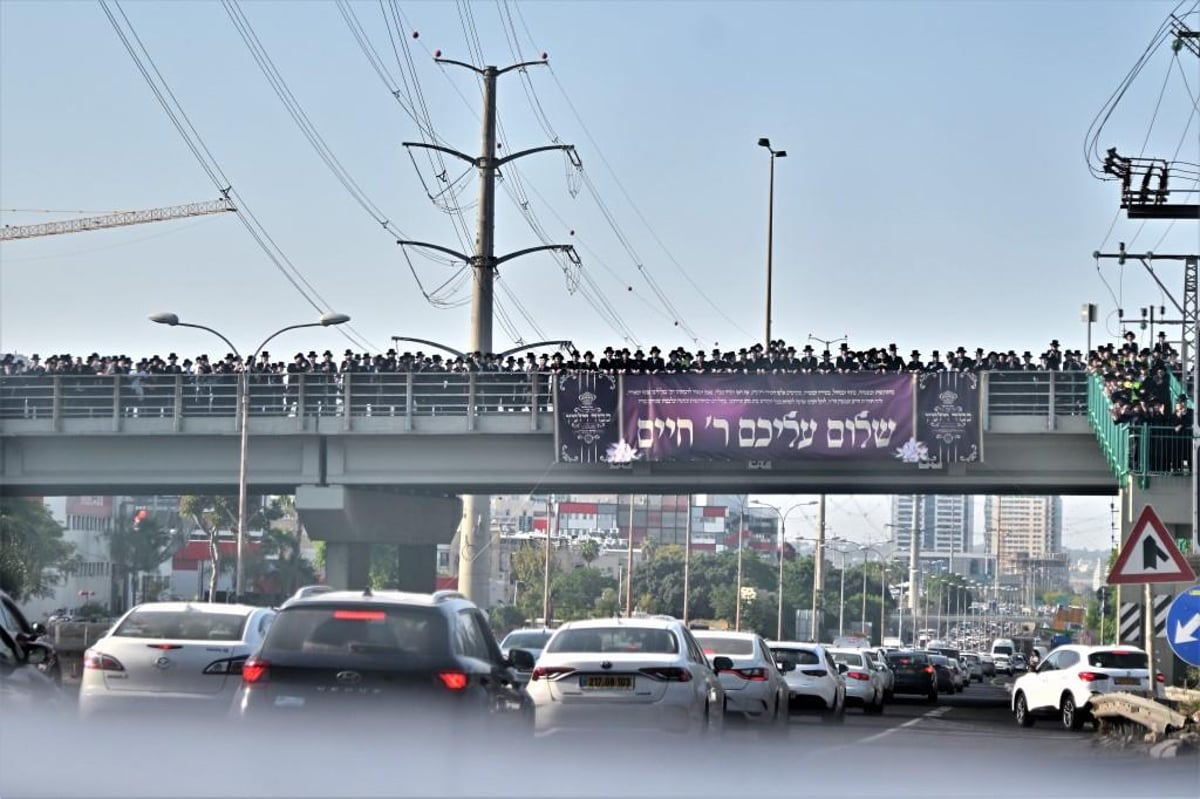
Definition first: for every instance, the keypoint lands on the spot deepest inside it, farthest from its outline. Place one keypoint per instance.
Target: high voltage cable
(195, 143)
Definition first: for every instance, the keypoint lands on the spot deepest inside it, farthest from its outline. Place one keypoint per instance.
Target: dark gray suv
(383, 656)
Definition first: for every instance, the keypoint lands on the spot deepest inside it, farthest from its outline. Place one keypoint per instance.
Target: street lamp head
(165, 318)
(779, 153)
(764, 143)
(330, 318)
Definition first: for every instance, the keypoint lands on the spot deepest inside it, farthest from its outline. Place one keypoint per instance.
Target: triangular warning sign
(1149, 555)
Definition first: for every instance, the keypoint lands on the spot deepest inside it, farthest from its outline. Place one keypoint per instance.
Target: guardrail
(1154, 716)
(400, 394)
(1143, 450)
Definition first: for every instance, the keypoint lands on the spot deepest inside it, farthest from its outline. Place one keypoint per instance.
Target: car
(987, 664)
(879, 660)
(915, 674)
(23, 632)
(947, 679)
(23, 685)
(171, 656)
(1066, 680)
(384, 658)
(962, 676)
(755, 690)
(532, 640)
(864, 684)
(814, 679)
(974, 666)
(1002, 651)
(640, 674)
(1018, 663)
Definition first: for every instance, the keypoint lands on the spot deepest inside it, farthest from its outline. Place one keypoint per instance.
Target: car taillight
(858, 675)
(255, 671)
(1092, 676)
(454, 680)
(226, 666)
(815, 672)
(753, 675)
(929, 669)
(668, 673)
(98, 660)
(550, 672)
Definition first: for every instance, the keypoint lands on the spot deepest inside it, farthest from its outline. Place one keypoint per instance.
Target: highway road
(965, 745)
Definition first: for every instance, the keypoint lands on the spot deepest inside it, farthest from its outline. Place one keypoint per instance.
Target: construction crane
(116, 219)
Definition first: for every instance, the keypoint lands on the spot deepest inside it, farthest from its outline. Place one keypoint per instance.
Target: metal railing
(1143, 450)
(396, 394)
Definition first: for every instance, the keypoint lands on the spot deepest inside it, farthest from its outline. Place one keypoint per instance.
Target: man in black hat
(914, 362)
(1130, 345)
(655, 363)
(845, 362)
(808, 361)
(1162, 347)
(934, 364)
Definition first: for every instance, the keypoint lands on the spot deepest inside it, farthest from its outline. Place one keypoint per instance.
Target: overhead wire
(208, 163)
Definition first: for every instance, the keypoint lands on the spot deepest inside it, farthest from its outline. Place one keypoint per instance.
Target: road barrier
(1154, 716)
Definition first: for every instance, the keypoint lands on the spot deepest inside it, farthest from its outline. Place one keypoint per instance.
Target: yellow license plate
(1127, 681)
(606, 682)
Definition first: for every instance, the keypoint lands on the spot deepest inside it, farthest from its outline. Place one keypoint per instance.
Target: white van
(1002, 651)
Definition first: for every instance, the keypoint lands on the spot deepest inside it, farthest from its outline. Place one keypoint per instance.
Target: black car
(945, 673)
(915, 674)
(23, 686)
(386, 656)
(20, 630)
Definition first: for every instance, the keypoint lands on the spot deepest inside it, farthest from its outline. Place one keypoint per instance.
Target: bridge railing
(398, 394)
(1144, 450)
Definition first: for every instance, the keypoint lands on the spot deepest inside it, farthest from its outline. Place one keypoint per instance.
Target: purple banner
(766, 417)
(585, 422)
(948, 418)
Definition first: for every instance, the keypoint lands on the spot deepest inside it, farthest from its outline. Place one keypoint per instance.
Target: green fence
(1143, 450)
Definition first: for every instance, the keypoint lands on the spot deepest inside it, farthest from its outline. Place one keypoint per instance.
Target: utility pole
(818, 620)
(687, 562)
(551, 527)
(629, 566)
(914, 550)
(737, 618)
(476, 526)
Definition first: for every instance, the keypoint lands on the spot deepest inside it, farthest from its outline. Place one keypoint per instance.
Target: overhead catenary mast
(476, 523)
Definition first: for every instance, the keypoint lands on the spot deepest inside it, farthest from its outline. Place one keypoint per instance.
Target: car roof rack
(443, 595)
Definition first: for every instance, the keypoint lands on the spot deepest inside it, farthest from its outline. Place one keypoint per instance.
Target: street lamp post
(865, 549)
(782, 535)
(770, 230)
(737, 614)
(841, 591)
(327, 319)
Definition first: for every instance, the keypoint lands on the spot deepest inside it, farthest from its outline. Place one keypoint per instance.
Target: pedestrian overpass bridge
(384, 457)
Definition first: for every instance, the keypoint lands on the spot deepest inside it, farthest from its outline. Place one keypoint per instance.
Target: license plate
(606, 682)
(1127, 681)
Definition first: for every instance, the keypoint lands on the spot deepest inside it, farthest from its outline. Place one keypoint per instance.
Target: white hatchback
(1066, 680)
(814, 680)
(864, 683)
(754, 688)
(162, 656)
(627, 675)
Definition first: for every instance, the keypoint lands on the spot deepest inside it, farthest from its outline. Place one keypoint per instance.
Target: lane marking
(936, 712)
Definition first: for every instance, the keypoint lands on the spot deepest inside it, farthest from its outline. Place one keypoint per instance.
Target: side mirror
(37, 629)
(786, 666)
(722, 663)
(36, 654)
(521, 659)
(843, 668)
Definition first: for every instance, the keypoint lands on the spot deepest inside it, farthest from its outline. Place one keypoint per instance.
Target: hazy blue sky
(935, 194)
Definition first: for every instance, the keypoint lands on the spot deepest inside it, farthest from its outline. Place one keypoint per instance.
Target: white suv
(1065, 681)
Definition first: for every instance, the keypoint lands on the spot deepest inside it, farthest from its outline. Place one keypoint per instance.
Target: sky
(935, 193)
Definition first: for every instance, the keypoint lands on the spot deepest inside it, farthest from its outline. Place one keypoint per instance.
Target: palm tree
(589, 550)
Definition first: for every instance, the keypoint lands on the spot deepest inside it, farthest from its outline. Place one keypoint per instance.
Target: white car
(879, 659)
(639, 674)
(814, 680)
(974, 666)
(754, 688)
(167, 656)
(1066, 680)
(864, 684)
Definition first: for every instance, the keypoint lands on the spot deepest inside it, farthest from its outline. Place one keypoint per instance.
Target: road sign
(1150, 555)
(1183, 625)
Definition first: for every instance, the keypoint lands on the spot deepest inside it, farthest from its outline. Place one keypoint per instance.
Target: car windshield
(797, 657)
(1117, 660)
(721, 645)
(532, 640)
(971, 658)
(613, 640)
(187, 625)
(849, 658)
(331, 630)
(1002, 650)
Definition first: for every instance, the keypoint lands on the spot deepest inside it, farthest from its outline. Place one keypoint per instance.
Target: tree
(528, 566)
(589, 550)
(214, 512)
(576, 592)
(138, 545)
(504, 619)
(278, 565)
(32, 550)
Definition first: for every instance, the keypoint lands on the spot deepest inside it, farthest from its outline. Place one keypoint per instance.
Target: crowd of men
(757, 359)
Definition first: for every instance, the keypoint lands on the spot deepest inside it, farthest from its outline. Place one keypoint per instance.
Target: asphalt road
(965, 745)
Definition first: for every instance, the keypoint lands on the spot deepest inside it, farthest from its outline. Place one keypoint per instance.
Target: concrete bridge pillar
(350, 519)
(347, 566)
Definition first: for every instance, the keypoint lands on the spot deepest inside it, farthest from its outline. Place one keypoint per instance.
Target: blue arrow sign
(1183, 625)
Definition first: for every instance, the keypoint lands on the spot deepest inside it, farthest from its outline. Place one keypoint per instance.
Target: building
(1022, 531)
(945, 524)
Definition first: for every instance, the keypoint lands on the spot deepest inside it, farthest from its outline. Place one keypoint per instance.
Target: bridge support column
(347, 566)
(417, 568)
